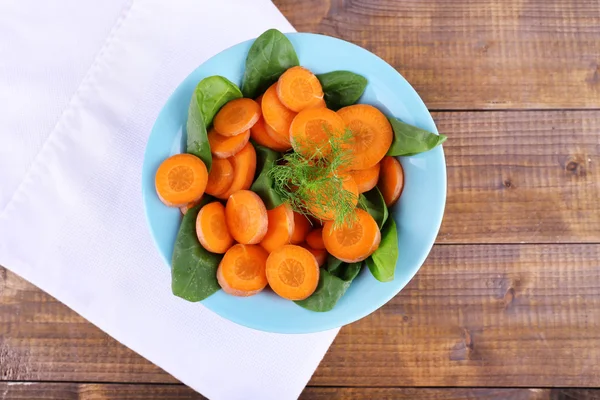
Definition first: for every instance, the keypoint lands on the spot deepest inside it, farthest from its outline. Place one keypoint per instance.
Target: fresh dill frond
(313, 185)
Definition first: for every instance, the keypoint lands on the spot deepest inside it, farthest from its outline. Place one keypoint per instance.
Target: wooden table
(508, 303)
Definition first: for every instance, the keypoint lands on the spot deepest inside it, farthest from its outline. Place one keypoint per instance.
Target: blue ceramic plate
(418, 214)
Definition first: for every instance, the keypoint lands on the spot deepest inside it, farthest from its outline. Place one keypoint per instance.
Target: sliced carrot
(181, 179)
(366, 179)
(391, 180)
(292, 272)
(281, 227)
(324, 210)
(244, 167)
(237, 117)
(192, 204)
(282, 141)
(212, 230)
(320, 104)
(242, 271)
(276, 115)
(261, 136)
(315, 239)
(312, 129)
(246, 217)
(352, 241)
(371, 134)
(302, 226)
(220, 176)
(227, 146)
(320, 254)
(298, 89)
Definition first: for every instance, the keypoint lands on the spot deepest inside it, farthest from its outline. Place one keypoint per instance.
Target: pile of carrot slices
(280, 247)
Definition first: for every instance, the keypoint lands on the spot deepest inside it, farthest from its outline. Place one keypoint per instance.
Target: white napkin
(81, 84)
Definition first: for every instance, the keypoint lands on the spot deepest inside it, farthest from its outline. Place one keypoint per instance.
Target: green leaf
(382, 262)
(373, 203)
(210, 95)
(334, 279)
(342, 88)
(410, 140)
(194, 269)
(263, 184)
(270, 55)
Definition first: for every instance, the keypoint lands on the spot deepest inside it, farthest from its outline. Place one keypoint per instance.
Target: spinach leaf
(194, 270)
(410, 140)
(342, 88)
(382, 262)
(270, 55)
(334, 280)
(209, 96)
(263, 184)
(373, 203)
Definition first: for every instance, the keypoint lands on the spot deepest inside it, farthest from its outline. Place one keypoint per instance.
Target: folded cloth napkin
(81, 84)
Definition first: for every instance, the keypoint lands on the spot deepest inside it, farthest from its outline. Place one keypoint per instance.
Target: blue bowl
(418, 214)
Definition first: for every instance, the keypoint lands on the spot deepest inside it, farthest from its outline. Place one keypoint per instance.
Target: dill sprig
(313, 184)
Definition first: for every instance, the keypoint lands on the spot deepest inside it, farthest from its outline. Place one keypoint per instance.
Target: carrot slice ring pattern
(236, 117)
(181, 179)
(211, 228)
(292, 272)
(371, 134)
(352, 241)
(246, 217)
(242, 270)
(298, 89)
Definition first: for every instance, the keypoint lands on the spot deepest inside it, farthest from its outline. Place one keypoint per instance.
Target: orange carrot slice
(227, 146)
(242, 270)
(212, 230)
(192, 204)
(276, 115)
(220, 176)
(180, 179)
(244, 166)
(292, 272)
(246, 217)
(320, 254)
(281, 227)
(371, 134)
(391, 180)
(315, 239)
(236, 117)
(298, 88)
(283, 141)
(366, 179)
(326, 213)
(261, 136)
(312, 129)
(301, 228)
(352, 241)
(320, 104)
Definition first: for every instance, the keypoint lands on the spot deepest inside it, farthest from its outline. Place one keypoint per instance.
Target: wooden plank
(42, 339)
(481, 315)
(473, 54)
(75, 391)
(474, 315)
(521, 177)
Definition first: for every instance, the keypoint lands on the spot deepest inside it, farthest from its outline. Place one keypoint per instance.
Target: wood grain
(474, 315)
(521, 177)
(481, 315)
(473, 54)
(42, 339)
(74, 391)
